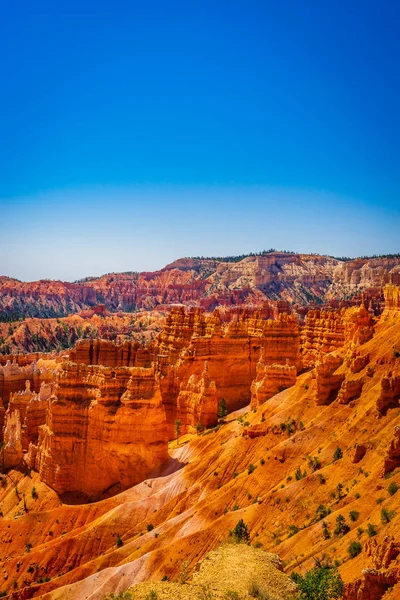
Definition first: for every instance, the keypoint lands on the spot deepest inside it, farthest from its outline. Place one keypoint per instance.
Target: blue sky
(134, 133)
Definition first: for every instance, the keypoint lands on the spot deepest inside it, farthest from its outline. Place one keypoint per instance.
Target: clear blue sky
(133, 133)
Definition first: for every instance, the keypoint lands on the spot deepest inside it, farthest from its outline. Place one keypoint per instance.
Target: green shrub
(150, 527)
(320, 583)
(321, 479)
(371, 530)
(251, 469)
(353, 514)
(322, 512)
(314, 463)
(325, 530)
(119, 541)
(257, 591)
(392, 488)
(152, 595)
(34, 493)
(337, 454)
(386, 515)
(341, 526)
(231, 595)
(354, 549)
(241, 532)
(293, 529)
(222, 408)
(299, 474)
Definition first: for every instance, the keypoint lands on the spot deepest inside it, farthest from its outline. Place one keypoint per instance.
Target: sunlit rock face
(104, 426)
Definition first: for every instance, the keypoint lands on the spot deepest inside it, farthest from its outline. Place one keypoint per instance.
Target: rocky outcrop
(232, 349)
(358, 324)
(390, 392)
(392, 298)
(359, 452)
(349, 390)
(323, 332)
(32, 409)
(12, 449)
(197, 403)
(328, 381)
(392, 457)
(382, 575)
(109, 354)
(358, 361)
(270, 379)
(104, 426)
(13, 378)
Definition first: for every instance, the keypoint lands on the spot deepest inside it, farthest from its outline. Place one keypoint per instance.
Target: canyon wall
(104, 426)
(208, 282)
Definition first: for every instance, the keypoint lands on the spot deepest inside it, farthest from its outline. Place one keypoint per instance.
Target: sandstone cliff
(104, 426)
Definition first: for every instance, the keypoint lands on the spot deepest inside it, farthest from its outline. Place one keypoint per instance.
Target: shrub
(178, 424)
(353, 514)
(184, 574)
(371, 530)
(392, 488)
(320, 583)
(337, 454)
(360, 531)
(231, 595)
(262, 461)
(386, 515)
(241, 532)
(222, 408)
(321, 478)
(205, 593)
(322, 512)
(251, 469)
(150, 527)
(339, 490)
(299, 474)
(34, 494)
(257, 591)
(341, 526)
(119, 541)
(293, 529)
(325, 530)
(379, 500)
(354, 549)
(357, 496)
(314, 463)
(152, 595)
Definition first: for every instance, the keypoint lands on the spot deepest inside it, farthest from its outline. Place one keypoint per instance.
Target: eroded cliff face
(247, 468)
(208, 283)
(104, 426)
(231, 349)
